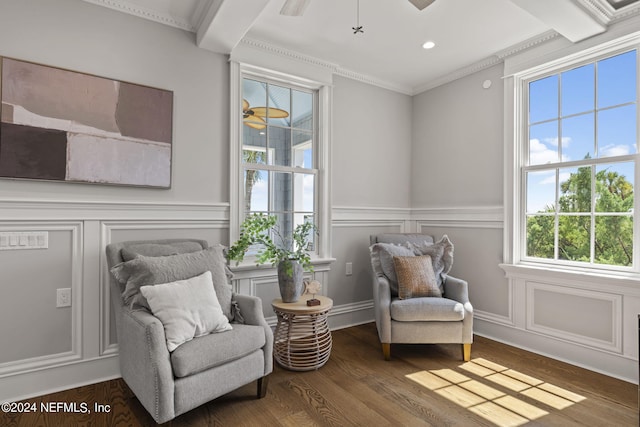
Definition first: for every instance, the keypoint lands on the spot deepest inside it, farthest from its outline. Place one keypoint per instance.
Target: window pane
(303, 187)
(543, 99)
(282, 195)
(575, 189)
(254, 146)
(256, 191)
(617, 80)
(541, 191)
(254, 95)
(614, 187)
(614, 240)
(617, 131)
(280, 146)
(574, 237)
(302, 110)
(283, 231)
(279, 106)
(302, 149)
(543, 143)
(578, 90)
(301, 218)
(578, 137)
(540, 236)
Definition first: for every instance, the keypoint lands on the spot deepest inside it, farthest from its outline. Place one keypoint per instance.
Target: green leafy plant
(256, 229)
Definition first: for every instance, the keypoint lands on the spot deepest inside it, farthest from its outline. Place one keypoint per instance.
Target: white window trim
(323, 153)
(516, 131)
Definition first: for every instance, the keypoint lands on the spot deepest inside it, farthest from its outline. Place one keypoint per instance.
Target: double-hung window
(579, 162)
(280, 129)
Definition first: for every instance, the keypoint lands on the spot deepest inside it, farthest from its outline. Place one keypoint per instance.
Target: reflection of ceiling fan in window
(297, 7)
(254, 116)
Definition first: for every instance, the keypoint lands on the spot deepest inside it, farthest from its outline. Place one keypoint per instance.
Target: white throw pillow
(187, 308)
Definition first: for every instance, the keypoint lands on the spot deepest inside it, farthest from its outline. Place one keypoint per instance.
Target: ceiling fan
(297, 7)
(254, 116)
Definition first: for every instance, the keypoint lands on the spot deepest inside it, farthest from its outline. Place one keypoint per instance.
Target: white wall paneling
(56, 338)
(596, 323)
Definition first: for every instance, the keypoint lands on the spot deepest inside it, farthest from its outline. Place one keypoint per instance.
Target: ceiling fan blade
(294, 7)
(254, 122)
(245, 105)
(274, 113)
(421, 4)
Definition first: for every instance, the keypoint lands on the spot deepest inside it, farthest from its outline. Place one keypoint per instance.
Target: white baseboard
(606, 363)
(58, 378)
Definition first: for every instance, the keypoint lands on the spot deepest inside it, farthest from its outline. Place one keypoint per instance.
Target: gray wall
(79, 36)
(457, 143)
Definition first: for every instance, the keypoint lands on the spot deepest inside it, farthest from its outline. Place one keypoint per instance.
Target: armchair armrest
(382, 307)
(456, 289)
(145, 362)
(251, 310)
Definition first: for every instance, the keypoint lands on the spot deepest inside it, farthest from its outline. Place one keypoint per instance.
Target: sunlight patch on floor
(482, 397)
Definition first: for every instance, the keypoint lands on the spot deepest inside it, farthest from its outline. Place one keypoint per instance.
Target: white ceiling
(389, 51)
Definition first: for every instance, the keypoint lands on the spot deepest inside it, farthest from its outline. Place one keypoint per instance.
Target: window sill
(571, 274)
(319, 264)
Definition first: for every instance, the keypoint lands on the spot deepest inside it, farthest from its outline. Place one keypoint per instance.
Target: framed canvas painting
(60, 125)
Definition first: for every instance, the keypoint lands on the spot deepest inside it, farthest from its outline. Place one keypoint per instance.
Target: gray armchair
(424, 320)
(171, 383)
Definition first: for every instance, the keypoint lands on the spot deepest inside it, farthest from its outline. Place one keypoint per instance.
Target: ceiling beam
(564, 16)
(226, 22)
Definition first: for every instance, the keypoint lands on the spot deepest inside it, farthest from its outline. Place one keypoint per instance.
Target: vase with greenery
(288, 254)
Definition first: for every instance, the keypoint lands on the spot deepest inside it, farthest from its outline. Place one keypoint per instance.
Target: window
(279, 152)
(278, 135)
(579, 163)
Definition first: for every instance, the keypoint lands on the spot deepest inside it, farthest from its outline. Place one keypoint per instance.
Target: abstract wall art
(61, 125)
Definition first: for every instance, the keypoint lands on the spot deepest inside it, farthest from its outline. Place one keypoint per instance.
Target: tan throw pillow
(416, 277)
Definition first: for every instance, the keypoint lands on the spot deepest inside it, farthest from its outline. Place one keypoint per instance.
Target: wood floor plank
(422, 385)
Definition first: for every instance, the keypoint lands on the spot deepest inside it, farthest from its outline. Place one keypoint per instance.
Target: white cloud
(540, 154)
(554, 141)
(614, 150)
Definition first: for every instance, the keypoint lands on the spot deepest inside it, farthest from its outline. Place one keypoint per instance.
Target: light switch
(12, 240)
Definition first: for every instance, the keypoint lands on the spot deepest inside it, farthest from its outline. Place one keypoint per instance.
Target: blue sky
(586, 111)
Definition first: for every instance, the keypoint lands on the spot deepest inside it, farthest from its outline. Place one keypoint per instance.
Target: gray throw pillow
(144, 271)
(157, 249)
(382, 261)
(441, 253)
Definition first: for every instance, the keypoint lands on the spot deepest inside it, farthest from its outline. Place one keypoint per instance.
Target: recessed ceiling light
(428, 45)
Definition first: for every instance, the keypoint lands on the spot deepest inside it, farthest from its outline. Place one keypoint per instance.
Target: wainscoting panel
(583, 316)
(47, 335)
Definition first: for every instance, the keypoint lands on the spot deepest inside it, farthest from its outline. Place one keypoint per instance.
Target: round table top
(301, 307)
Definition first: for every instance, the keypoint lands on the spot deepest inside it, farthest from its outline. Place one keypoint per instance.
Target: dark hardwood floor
(423, 385)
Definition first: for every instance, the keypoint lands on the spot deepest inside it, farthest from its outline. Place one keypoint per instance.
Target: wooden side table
(302, 340)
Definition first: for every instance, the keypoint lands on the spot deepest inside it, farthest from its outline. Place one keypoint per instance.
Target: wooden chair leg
(466, 352)
(386, 350)
(262, 386)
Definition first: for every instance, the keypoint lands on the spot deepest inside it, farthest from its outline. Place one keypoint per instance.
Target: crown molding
(395, 87)
(146, 13)
(495, 59)
(287, 53)
(334, 68)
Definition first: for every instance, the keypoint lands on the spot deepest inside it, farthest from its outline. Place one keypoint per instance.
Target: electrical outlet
(63, 297)
(349, 269)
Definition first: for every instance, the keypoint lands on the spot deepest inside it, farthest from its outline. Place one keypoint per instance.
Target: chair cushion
(416, 277)
(426, 309)
(441, 254)
(143, 270)
(212, 350)
(382, 261)
(159, 249)
(187, 309)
